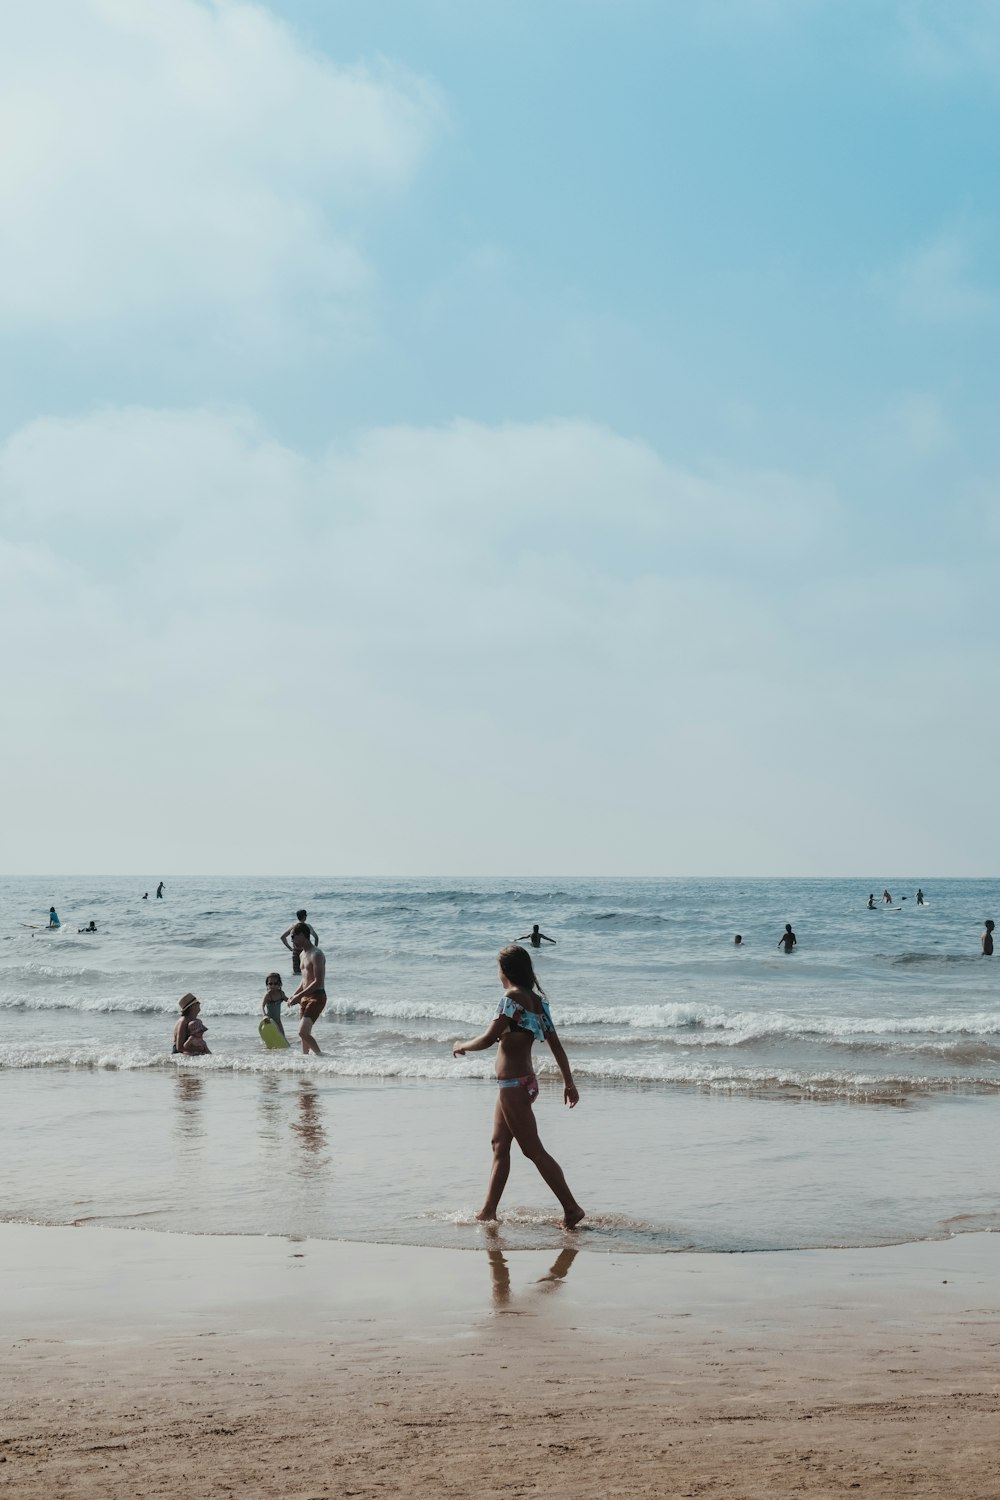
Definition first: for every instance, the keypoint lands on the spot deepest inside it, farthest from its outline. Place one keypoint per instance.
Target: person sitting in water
(295, 946)
(871, 900)
(787, 939)
(986, 941)
(54, 917)
(90, 927)
(274, 999)
(535, 938)
(189, 1033)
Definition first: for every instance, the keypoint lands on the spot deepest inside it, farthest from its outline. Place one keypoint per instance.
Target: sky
(441, 437)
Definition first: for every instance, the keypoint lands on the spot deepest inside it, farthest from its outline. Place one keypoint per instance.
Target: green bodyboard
(270, 1035)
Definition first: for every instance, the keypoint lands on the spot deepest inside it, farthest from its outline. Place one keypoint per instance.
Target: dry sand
(148, 1364)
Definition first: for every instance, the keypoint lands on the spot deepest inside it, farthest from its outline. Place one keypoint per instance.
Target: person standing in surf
(787, 939)
(986, 940)
(296, 950)
(311, 993)
(536, 938)
(522, 1018)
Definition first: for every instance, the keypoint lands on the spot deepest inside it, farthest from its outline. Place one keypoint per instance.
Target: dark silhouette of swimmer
(887, 898)
(986, 941)
(90, 927)
(871, 900)
(159, 891)
(295, 948)
(145, 895)
(535, 938)
(920, 897)
(787, 939)
(738, 940)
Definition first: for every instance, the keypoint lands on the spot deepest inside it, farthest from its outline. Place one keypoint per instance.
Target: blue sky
(555, 437)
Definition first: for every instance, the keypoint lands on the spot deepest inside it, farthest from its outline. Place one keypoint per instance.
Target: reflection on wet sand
(270, 1135)
(309, 1128)
(188, 1123)
(500, 1276)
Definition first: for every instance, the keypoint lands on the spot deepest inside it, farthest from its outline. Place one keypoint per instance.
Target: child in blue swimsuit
(522, 1018)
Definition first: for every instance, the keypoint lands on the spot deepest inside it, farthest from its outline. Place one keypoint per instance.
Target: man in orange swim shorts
(311, 993)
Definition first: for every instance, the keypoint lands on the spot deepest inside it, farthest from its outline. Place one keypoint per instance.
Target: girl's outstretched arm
(480, 1043)
(571, 1094)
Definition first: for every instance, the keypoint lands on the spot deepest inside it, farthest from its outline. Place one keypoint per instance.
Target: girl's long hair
(515, 964)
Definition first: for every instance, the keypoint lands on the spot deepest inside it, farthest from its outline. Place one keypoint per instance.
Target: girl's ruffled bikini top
(520, 1019)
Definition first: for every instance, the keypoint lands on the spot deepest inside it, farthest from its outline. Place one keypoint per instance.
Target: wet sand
(141, 1363)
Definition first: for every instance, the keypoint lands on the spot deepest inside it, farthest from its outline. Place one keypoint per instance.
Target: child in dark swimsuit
(522, 1018)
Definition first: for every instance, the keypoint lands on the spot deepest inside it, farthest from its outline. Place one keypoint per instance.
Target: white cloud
(219, 612)
(949, 41)
(935, 283)
(916, 426)
(526, 647)
(187, 158)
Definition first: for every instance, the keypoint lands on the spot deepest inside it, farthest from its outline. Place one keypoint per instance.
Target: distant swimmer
(159, 891)
(145, 895)
(289, 932)
(871, 900)
(535, 938)
(90, 927)
(54, 917)
(886, 898)
(787, 939)
(189, 1033)
(738, 940)
(311, 993)
(986, 941)
(920, 897)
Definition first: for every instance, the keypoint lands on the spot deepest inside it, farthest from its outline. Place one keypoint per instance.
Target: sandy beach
(143, 1363)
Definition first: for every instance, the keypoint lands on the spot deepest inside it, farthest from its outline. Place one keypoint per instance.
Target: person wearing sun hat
(189, 1033)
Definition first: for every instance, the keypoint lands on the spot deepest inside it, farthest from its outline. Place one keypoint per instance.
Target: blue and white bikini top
(526, 1020)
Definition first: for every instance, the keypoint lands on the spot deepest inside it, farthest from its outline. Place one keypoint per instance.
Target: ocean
(732, 1098)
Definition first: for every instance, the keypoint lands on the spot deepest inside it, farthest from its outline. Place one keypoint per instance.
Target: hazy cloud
(187, 159)
(936, 283)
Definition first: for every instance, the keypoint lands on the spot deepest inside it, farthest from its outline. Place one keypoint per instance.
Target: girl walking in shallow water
(522, 1018)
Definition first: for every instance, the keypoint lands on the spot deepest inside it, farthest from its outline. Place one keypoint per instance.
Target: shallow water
(732, 1099)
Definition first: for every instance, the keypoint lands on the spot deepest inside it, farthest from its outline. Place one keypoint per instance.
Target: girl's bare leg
(519, 1117)
(501, 1165)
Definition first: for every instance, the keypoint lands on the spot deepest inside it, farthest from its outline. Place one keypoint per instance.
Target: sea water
(732, 1097)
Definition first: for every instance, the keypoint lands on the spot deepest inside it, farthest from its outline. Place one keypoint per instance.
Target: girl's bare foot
(574, 1216)
(486, 1217)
